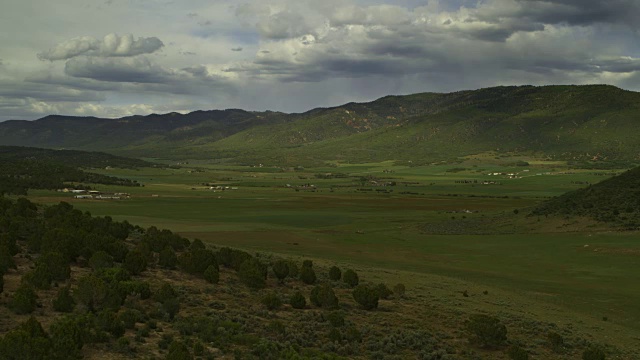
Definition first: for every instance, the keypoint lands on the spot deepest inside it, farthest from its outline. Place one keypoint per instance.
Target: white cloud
(110, 45)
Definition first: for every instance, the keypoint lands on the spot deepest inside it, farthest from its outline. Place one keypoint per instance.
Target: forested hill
(74, 158)
(583, 123)
(615, 200)
(22, 169)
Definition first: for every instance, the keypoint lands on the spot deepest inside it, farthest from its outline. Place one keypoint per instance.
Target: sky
(114, 58)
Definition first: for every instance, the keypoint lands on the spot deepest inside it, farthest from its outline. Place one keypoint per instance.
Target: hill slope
(76, 286)
(23, 168)
(563, 122)
(615, 200)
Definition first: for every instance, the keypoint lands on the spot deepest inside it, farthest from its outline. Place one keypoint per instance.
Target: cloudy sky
(120, 57)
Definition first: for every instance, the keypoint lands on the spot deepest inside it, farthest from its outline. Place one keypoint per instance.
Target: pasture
(419, 224)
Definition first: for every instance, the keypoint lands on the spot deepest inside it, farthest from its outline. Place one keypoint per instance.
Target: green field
(432, 225)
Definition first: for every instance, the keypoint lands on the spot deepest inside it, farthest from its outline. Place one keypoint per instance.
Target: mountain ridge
(563, 122)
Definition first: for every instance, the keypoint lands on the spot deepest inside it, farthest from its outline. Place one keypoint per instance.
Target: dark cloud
(46, 92)
(49, 78)
(111, 45)
(237, 49)
(133, 70)
(583, 12)
(620, 65)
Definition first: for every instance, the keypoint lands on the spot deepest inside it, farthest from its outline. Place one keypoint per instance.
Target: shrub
(197, 244)
(100, 260)
(350, 278)
(517, 353)
(294, 272)
(123, 346)
(486, 331)
(212, 274)
(6, 259)
(129, 318)
(336, 318)
(178, 351)
(307, 263)
(197, 261)
(335, 335)
(324, 297)
(135, 262)
(232, 258)
(165, 292)
(40, 277)
(271, 300)
(64, 301)
(57, 265)
(297, 300)
(383, 291)
(24, 300)
(335, 274)
(307, 275)
(1, 282)
(399, 290)
(366, 296)
(113, 275)
(171, 307)
(253, 274)
(67, 338)
(280, 269)
(106, 320)
(168, 258)
(556, 341)
(352, 334)
(593, 353)
(27, 341)
(140, 288)
(91, 292)
(277, 327)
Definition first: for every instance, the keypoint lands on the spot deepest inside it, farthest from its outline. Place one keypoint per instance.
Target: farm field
(440, 229)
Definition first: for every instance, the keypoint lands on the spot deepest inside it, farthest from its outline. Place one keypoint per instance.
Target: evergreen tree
(280, 269)
(307, 275)
(64, 301)
(100, 260)
(91, 292)
(212, 274)
(57, 265)
(297, 300)
(135, 262)
(366, 296)
(24, 300)
(253, 274)
(350, 278)
(168, 258)
(27, 341)
(334, 273)
(323, 296)
(67, 338)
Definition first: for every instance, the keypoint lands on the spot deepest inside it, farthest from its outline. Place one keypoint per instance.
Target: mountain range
(579, 123)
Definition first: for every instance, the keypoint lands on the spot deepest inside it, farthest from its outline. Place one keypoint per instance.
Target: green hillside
(579, 123)
(23, 168)
(615, 200)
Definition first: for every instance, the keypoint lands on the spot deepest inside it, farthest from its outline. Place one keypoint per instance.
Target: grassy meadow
(440, 229)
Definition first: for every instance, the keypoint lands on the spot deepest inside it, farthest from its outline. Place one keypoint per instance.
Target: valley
(441, 229)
